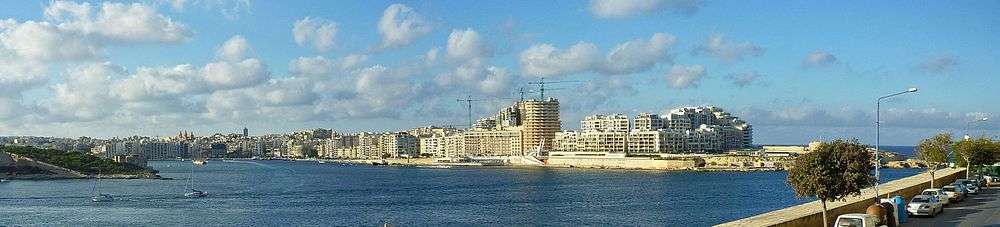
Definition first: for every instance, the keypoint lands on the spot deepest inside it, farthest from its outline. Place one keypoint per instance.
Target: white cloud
(466, 45)
(316, 32)
(323, 67)
(819, 58)
(17, 75)
(496, 82)
(287, 92)
(630, 57)
(940, 64)
(681, 76)
(544, 60)
(234, 49)
(226, 75)
(638, 55)
(85, 96)
(628, 8)
(158, 83)
(716, 46)
(118, 22)
(79, 31)
(42, 41)
(400, 25)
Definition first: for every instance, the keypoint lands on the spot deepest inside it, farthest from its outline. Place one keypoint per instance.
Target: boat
(100, 197)
(3, 180)
(322, 162)
(195, 193)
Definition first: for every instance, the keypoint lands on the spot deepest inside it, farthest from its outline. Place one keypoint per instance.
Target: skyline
(813, 72)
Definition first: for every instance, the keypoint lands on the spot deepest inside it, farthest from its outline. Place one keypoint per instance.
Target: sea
(309, 193)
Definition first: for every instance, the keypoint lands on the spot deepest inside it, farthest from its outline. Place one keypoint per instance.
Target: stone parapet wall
(810, 214)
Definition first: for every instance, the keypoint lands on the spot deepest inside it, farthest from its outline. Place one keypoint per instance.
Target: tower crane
(468, 105)
(541, 85)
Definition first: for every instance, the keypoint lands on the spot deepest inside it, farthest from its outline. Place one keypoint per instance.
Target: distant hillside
(83, 163)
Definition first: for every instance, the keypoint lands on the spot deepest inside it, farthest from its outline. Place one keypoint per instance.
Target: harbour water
(272, 193)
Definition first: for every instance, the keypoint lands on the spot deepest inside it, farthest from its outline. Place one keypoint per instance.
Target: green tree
(934, 151)
(832, 172)
(974, 152)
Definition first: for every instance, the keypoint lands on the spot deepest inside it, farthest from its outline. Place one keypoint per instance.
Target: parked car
(970, 186)
(924, 205)
(857, 220)
(955, 194)
(963, 189)
(940, 194)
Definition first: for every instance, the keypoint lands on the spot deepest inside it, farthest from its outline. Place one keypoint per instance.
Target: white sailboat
(100, 197)
(195, 193)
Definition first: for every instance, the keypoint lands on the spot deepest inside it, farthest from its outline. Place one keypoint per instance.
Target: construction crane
(541, 85)
(468, 101)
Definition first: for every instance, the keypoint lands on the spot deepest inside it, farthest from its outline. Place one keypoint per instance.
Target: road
(976, 210)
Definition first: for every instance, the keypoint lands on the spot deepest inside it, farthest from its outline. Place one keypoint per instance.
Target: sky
(796, 71)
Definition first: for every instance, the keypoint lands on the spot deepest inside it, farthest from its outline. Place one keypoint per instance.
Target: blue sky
(797, 71)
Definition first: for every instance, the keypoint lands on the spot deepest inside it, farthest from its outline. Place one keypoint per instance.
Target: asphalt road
(976, 210)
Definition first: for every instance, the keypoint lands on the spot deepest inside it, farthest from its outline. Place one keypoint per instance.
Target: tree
(974, 152)
(934, 151)
(832, 172)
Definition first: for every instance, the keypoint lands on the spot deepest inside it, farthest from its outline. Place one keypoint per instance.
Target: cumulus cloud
(716, 46)
(466, 45)
(234, 49)
(638, 55)
(682, 77)
(628, 8)
(634, 56)
(743, 79)
(545, 60)
(80, 31)
(819, 58)
(84, 96)
(322, 66)
(940, 64)
(315, 32)
(158, 83)
(400, 25)
(226, 75)
(43, 41)
(117, 21)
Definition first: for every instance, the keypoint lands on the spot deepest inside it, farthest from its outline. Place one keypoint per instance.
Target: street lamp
(878, 124)
(969, 125)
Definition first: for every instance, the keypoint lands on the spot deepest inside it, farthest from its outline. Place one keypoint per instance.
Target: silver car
(924, 205)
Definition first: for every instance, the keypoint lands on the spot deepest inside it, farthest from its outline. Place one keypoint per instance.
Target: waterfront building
(540, 122)
(606, 123)
(683, 130)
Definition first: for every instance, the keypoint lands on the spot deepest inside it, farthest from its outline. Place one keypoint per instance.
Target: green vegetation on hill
(80, 162)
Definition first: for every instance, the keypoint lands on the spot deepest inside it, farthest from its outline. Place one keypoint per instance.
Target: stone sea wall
(810, 214)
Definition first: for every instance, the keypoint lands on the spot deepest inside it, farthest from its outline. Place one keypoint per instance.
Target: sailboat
(195, 193)
(100, 197)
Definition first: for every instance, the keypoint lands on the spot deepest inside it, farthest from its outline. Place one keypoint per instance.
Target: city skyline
(74, 69)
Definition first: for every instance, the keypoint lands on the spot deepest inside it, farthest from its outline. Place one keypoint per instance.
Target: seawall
(810, 214)
(625, 163)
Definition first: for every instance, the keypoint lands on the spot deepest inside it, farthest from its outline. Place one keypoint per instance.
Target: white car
(924, 205)
(955, 194)
(940, 194)
(856, 220)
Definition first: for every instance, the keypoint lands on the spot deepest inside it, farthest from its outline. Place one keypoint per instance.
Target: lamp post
(878, 124)
(969, 125)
